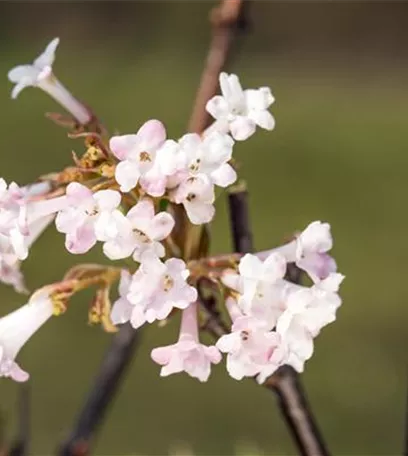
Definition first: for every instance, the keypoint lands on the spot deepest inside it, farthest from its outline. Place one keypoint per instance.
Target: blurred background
(339, 153)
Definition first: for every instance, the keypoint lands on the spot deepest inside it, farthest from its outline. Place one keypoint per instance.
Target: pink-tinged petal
(82, 240)
(199, 213)
(161, 226)
(213, 354)
(318, 265)
(162, 355)
(121, 146)
(224, 176)
(153, 184)
(121, 311)
(68, 220)
(144, 209)
(138, 318)
(264, 119)
(151, 135)
(217, 107)
(228, 343)
(176, 266)
(77, 193)
(250, 266)
(115, 250)
(274, 267)
(107, 200)
(127, 175)
(18, 374)
(242, 128)
(125, 280)
(232, 280)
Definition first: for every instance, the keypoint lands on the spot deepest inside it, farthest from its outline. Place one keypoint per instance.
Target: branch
(286, 382)
(227, 19)
(20, 446)
(111, 373)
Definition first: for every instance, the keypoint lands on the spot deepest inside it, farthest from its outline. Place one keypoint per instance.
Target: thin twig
(286, 382)
(111, 373)
(20, 446)
(226, 19)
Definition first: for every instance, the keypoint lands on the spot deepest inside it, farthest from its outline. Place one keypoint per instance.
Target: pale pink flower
(210, 156)
(139, 231)
(197, 196)
(240, 111)
(308, 311)
(122, 309)
(188, 354)
(137, 153)
(88, 217)
(15, 330)
(251, 348)
(157, 288)
(309, 251)
(39, 74)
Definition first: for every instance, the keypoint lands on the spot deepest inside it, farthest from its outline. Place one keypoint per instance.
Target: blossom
(209, 156)
(40, 74)
(197, 196)
(122, 309)
(240, 111)
(261, 286)
(87, 217)
(251, 348)
(16, 328)
(309, 251)
(137, 153)
(139, 231)
(188, 354)
(308, 311)
(157, 288)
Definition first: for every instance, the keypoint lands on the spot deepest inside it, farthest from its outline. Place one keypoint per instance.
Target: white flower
(157, 288)
(140, 231)
(308, 311)
(261, 286)
(87, 217)
(16, 328)
(309, 251)
(187, 354)
(137, 153)
(39, 74)
(251, 348)
(240, 111)
(197, 196)
(210, 156)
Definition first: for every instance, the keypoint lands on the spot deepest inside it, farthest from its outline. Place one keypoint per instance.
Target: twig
(20, 446)
(226, 19)
(112, 370)
(285, 383)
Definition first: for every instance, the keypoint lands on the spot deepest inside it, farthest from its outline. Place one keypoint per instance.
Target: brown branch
(286, 382)
(226, 19)
(107, 382)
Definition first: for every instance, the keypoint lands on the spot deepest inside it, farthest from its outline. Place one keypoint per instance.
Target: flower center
(195, 166)
(92, 211)
(244, 335)
(141, 236)
(191, 197)
(145, 157)
(168, 283)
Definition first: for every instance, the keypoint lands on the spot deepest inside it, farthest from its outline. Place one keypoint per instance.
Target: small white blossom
(240, 111)
(88, 217)
(15, 330)
(197, 196)
(139, 231)
(188, 354)
(137, 153)
(251, 348)
(308, 311)
(157, 288)
(39, 74)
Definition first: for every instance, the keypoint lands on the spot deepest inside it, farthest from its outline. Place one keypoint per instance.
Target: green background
(339, 153)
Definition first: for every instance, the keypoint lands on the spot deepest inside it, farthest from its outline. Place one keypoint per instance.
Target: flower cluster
(130, 193)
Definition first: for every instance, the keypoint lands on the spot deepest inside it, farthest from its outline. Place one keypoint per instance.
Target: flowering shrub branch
(148, 199)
